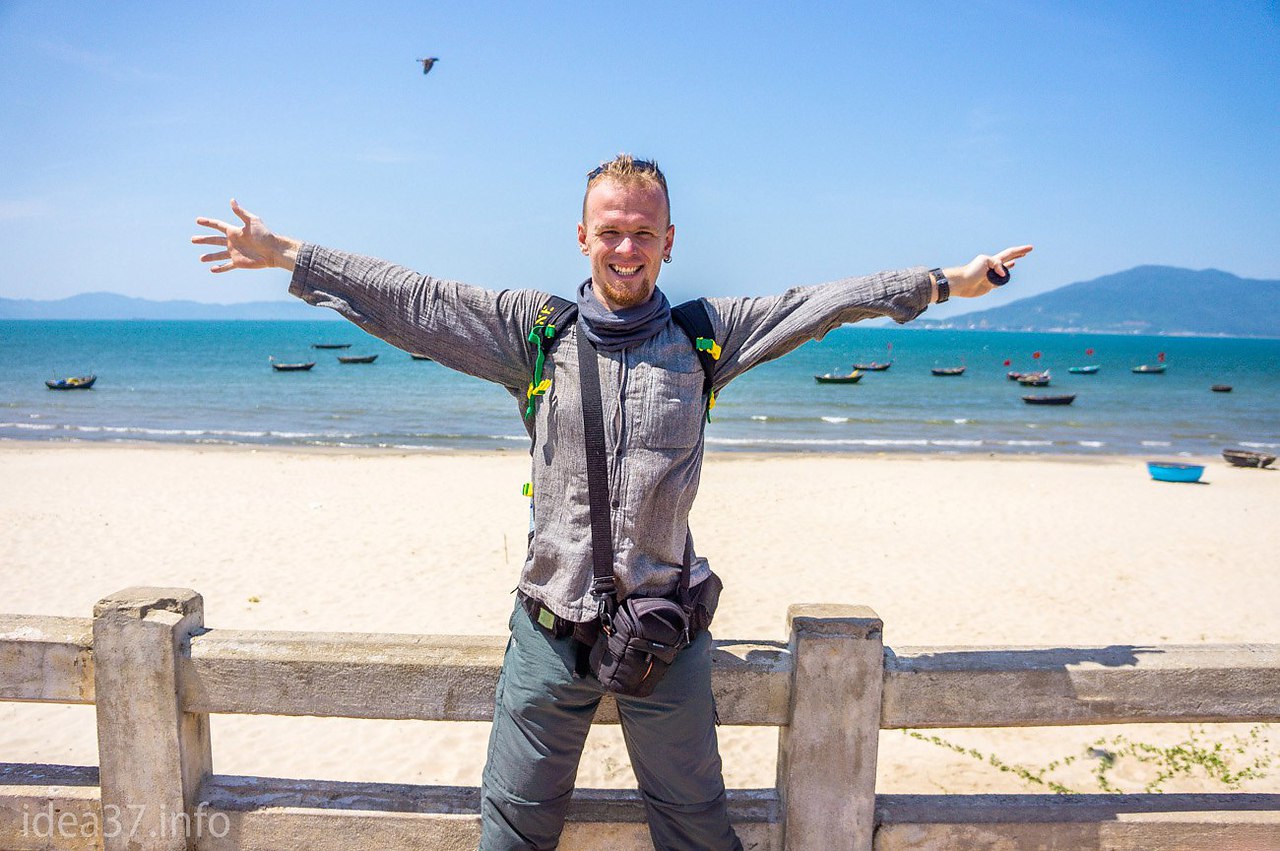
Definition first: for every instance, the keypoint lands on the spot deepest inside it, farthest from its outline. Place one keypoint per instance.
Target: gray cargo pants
(541, 717)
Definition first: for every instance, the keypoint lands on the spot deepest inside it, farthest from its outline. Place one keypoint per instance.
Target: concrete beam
(827, 753)
(266, 814)
(433, 678)
(152, 756)
(1187, 822)
(1120, 684)
(45, 659)
(49, 808)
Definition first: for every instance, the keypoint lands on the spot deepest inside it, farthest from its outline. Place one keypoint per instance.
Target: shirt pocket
(673, 409)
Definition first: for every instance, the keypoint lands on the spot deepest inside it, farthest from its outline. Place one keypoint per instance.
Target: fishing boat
(1152, 368)
(1221, 388)
(1084, 370)
(1247, 458)
(291, 367)
(948, 370)
(357, 358)
(79, 382)
(1170, 471)
(330, 345)
(1049, 400)
(877, 366)
(830, 378)
(1015, 376)
(1034, 379)
(419, 357)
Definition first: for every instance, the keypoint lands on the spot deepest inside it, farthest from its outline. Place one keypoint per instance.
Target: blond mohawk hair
(628, 171)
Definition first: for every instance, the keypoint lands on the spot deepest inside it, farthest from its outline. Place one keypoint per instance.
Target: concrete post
(152, 756)
(827, 753)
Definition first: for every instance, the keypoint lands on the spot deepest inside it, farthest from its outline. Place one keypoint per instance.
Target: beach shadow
(1029, 659)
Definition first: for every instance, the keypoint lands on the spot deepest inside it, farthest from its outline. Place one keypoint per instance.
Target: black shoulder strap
(555, 314)
(604, 584)
(693, 319)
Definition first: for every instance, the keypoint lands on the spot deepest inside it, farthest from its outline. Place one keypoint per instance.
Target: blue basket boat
(1168, 471)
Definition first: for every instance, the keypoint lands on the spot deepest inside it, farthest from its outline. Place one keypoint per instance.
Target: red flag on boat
(1161, 358)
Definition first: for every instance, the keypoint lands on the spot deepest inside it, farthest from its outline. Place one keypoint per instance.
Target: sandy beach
(949, 550)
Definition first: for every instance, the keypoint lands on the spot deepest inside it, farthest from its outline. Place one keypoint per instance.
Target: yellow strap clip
(705, 344)
(543, 386)
(526, 489)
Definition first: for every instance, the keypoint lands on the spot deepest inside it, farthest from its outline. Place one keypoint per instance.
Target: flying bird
(427, 63)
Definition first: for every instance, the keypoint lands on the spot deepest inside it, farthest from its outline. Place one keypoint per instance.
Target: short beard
(624, 299)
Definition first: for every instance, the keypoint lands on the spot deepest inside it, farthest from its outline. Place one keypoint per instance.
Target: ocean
(211, 383)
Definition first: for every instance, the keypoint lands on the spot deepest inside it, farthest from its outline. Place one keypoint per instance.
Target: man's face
(626, 234)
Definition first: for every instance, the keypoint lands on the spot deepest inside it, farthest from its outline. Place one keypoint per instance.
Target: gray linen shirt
(651, 393)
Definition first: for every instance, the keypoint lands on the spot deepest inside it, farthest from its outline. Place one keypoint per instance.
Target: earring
(666, 259)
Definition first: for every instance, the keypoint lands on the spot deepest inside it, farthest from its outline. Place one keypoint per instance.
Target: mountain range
(114, 306)
(1143, 300)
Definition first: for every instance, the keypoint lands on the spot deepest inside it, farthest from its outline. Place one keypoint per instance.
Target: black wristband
(944, 286)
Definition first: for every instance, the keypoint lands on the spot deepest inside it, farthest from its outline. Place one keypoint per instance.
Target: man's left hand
(970, 280)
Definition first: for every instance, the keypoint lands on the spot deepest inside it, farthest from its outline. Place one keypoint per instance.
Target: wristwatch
(944, 286)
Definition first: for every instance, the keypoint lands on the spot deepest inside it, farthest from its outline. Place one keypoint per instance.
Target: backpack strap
(556, 313)
(693, 319)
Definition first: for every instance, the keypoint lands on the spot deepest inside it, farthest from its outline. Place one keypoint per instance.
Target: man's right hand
(252, 246)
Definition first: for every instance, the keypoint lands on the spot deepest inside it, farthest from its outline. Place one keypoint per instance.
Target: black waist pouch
(638, 642)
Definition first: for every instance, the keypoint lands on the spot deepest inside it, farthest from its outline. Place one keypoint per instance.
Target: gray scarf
(613, 331)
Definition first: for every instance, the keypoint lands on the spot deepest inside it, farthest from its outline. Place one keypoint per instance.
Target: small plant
(1218, 761)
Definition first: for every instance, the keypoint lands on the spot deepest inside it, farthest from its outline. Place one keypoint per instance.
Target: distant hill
(1144, 300)
(113, 306)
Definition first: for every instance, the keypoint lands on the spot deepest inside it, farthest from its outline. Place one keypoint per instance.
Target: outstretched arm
(754, 330)
(252, 246)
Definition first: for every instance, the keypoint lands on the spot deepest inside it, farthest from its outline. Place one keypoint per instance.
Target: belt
(548, 620)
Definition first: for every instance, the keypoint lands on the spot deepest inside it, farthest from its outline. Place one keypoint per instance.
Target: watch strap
(943, 285)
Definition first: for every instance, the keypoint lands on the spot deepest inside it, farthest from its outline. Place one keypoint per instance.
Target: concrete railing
(154, 673)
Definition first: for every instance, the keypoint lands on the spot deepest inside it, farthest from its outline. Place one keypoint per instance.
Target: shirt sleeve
(473, 330)
(752, 331)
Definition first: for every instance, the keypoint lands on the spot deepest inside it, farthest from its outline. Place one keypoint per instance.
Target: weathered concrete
(152, 756)
(1168, 822)
(46, 807)
(827, 754)
(267, 814)
(830, 691)
(46, 659)
(1035, 686)
(429, 678)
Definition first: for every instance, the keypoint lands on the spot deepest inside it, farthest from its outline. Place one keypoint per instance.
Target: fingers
(220, 255)
(216, 224)
(225, 267)
(209, 240)
(245, 215)
(1013, 253)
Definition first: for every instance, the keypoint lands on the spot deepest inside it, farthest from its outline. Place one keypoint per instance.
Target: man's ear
(582, 237)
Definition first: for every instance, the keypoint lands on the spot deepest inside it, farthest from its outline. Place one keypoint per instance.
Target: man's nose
(626, 245)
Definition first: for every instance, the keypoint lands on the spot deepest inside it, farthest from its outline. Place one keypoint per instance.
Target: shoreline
(719, 454)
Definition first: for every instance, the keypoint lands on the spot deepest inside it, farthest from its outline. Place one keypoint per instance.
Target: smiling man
(653, 391)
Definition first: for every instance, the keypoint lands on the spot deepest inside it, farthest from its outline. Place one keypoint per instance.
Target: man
(651, 385)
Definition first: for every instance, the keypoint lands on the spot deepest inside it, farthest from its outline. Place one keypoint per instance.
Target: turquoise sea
(211, 383)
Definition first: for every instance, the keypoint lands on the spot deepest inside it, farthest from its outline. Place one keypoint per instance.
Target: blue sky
(803, 142)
